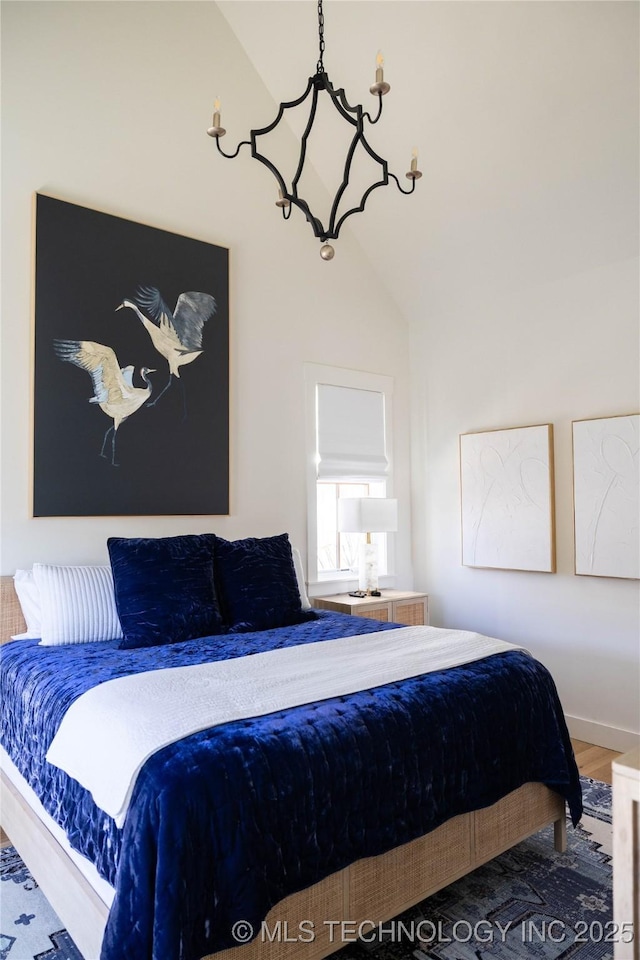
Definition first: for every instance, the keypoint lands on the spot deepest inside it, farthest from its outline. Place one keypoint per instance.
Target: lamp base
(368, 572)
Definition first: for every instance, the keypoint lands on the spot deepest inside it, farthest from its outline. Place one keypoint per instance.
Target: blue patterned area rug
(530, 902)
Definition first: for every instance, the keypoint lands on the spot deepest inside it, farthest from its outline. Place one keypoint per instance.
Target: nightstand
(393, 606)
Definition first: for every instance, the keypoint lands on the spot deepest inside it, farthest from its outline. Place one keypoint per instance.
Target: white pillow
(29, 599)
(77, 604)
(297, 563)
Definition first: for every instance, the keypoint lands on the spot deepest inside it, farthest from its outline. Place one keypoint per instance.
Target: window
(348, 440)
(340, 551)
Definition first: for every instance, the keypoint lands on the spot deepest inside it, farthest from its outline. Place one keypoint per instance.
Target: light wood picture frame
(507, 499)
(606, 496)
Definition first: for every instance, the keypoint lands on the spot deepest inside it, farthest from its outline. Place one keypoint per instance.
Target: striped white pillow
(77, 604)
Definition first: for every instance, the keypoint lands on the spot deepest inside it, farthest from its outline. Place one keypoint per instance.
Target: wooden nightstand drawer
(411, 613)
(377, 613)
(393, 606)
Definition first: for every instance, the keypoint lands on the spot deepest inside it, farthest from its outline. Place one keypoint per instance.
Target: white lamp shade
(367, 515)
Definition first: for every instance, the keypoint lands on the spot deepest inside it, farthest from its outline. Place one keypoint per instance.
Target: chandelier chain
(321, 45)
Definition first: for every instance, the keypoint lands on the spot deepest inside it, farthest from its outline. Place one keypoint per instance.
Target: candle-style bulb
(216, 130)
(380, 87)
(413, 172)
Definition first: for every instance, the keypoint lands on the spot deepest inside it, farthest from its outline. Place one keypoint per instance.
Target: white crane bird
(176, 335)
(113, 387)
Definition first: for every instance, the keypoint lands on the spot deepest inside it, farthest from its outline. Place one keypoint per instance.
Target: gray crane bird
(113, 387)
(176, 335)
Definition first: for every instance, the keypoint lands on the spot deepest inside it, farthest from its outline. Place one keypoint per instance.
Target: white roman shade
(351, 434)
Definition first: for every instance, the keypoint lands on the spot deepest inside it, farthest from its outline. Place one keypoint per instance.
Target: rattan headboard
(11, 619)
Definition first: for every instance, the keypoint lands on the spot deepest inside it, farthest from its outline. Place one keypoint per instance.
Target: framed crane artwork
(131, 383)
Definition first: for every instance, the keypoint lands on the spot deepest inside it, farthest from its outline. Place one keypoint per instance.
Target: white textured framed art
(506, 481)
(606, 496)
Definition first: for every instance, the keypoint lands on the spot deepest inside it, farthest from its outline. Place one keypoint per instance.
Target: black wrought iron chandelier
(288, 196)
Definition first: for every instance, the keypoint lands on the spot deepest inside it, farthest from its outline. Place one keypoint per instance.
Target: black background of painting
(86, 264)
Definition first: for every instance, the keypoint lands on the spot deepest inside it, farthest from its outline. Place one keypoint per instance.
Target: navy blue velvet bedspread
(227, 822)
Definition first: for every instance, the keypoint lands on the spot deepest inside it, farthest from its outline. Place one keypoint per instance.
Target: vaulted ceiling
(525, 116)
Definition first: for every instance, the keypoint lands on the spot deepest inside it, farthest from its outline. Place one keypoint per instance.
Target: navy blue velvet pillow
(257, 584)
(164, 589)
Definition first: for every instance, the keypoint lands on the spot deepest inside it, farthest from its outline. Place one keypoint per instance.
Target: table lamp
(368, 515)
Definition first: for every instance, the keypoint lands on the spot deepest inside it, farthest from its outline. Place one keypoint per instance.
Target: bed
(403, 855)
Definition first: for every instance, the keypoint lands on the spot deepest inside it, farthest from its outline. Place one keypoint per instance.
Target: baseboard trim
(602, 735)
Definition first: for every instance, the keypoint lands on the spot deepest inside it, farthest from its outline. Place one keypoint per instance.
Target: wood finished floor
(594, 762)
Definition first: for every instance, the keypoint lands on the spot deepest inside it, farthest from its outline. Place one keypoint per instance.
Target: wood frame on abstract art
(507, 499)
(606, 496)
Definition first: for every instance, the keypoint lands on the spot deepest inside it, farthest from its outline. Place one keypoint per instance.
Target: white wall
(532, 318)
(106, 104)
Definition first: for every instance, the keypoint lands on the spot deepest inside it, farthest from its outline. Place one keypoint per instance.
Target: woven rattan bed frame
(375, 889)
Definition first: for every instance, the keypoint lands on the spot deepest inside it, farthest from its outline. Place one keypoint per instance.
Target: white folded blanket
(108, 732)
